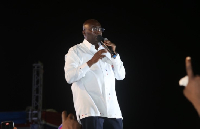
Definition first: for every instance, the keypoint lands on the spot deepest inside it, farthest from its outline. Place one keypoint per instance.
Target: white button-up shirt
(93, 87)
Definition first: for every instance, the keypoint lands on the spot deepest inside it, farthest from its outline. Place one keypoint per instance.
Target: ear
(83, 32)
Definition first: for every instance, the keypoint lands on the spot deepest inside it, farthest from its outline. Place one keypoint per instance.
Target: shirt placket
(107, 94)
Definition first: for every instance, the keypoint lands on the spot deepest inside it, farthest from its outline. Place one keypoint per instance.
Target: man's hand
(69, 122)
(98, 55)
(109, 43)
(192, 90)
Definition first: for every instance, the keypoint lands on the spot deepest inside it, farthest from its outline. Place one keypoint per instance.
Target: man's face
(90, 32)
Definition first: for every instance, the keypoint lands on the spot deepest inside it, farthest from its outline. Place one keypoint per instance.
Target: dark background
(152, 37)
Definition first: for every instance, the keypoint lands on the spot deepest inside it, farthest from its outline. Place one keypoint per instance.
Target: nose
(97, 33)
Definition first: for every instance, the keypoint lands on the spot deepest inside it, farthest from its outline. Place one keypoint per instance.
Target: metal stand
(37, 87)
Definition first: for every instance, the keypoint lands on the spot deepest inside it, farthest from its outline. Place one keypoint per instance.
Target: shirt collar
(89, 45)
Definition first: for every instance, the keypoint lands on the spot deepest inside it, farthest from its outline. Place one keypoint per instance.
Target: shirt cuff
(116, 60)
(183, 81)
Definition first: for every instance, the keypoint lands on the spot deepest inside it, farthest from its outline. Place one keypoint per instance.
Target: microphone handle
(113, 55)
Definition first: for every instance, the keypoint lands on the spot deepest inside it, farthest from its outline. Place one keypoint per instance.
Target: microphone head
(100, 38)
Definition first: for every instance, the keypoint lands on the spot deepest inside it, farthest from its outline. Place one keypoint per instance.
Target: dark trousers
(101, 123)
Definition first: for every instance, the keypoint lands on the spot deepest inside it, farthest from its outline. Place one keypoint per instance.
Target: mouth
(96, 38)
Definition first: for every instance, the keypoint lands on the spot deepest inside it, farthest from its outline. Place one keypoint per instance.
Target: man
(191, 92)
(92, 72)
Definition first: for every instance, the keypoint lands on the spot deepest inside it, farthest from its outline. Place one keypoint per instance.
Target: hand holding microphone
(106, 44)
(101, 53)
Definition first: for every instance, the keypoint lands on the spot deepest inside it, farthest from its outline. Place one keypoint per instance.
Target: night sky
(153, 38)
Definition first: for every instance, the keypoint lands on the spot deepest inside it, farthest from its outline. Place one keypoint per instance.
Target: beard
(93, 40)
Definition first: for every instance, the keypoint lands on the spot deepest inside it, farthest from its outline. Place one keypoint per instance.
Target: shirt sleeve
(73, 68)
(118, 67)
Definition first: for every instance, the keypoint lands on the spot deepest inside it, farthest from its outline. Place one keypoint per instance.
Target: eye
(95, 29)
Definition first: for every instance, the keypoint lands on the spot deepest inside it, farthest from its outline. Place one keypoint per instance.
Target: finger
(15, 128)
(64, 116)
(71, 116)
(103, 51)
(102, 56)
(189, 67)
(108, 44)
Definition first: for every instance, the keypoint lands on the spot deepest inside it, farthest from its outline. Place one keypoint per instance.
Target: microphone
(101, 40)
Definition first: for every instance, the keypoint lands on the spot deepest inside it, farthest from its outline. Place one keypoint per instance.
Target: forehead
(91, 24)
